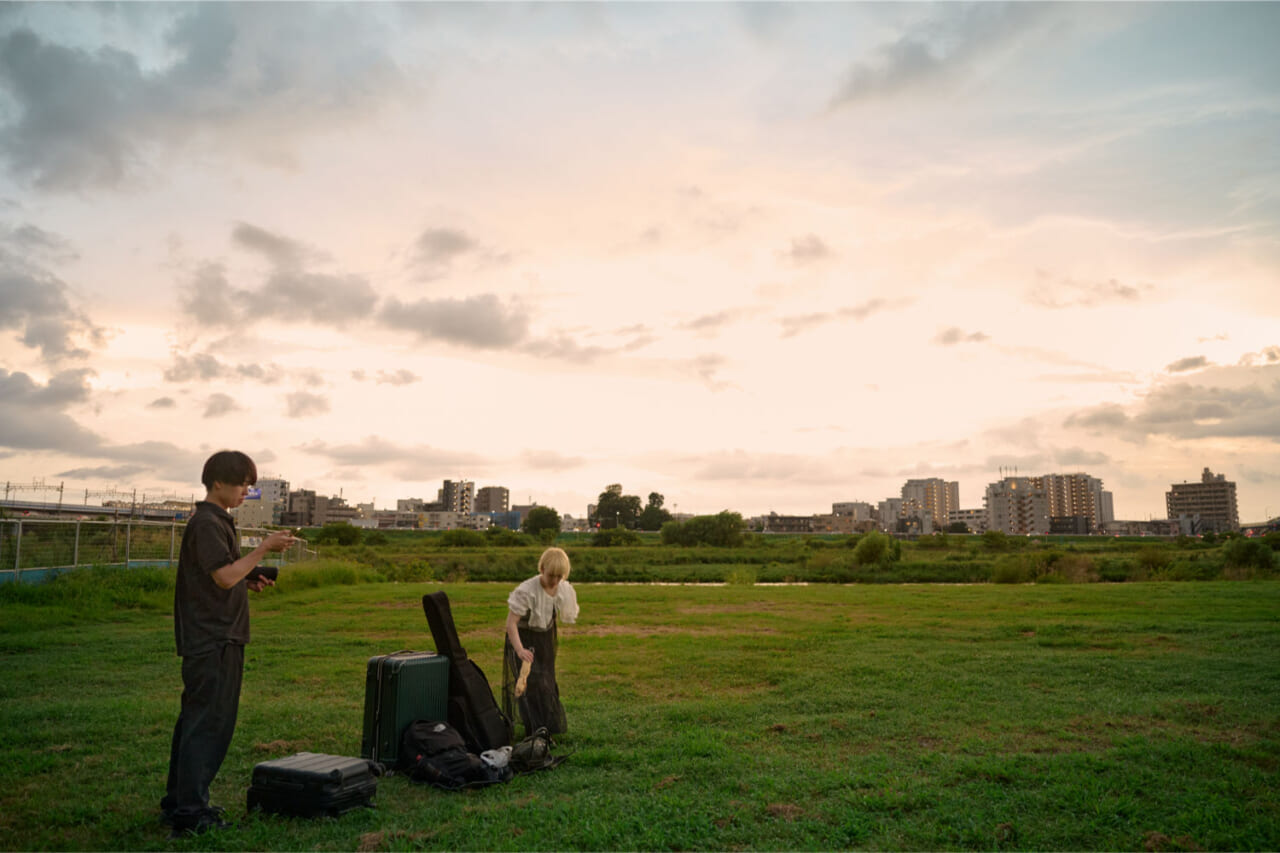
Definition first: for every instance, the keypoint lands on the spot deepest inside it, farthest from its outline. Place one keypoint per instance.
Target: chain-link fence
(33, 549)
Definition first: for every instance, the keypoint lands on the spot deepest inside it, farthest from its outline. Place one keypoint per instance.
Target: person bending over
(533, 609)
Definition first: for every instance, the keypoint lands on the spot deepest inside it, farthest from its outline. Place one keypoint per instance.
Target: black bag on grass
(435, 754)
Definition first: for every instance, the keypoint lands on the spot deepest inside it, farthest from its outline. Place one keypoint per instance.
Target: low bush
(1242, 553)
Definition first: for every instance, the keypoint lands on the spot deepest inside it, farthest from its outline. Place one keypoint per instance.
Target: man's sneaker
(198, 823)
(168, 817)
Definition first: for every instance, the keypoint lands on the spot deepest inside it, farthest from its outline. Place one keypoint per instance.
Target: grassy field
(1136, 716)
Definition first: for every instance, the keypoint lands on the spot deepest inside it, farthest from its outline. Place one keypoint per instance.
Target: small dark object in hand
(257, 573)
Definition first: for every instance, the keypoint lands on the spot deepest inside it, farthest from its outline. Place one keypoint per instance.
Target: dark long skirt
(540, 705)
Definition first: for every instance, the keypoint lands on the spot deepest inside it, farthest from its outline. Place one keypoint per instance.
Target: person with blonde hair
(533, 609)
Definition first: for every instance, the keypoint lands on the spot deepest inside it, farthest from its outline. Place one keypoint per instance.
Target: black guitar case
(472, 709)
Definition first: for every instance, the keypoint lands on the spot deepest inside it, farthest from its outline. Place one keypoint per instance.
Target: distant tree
(615, 536)
(872, 548)
(337, 533)
(653, 516)
(724, 529)
(995, 540)
(1248, 554)
(540, 521)
(957, 527)
(614, 509)
(462, 538)
(375, 537)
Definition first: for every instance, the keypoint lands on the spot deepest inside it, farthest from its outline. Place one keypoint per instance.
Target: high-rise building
(1212, 501)
(1018, 506)
(302, 508)
(457, 496)
(857, 510)
(493, 499)
(933, 497)
(1076, 495)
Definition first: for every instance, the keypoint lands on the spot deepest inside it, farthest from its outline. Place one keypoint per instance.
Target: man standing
(211, 626)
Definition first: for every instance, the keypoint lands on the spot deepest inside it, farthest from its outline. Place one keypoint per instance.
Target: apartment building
(493, 499)
(457, 496)
(1077, 495)
(1017, 506)
(974, 519)
(1212, 501)
(857, 510)
(934, 497)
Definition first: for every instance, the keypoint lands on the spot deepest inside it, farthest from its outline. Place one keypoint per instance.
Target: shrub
(723, 530)
(1011, 569)
(337, 533)
(995, 540)
(741, 576)
(1241, 553)
(1154, 558)
(612, 537)
(503, 538)
(877, 547)
(462, 539)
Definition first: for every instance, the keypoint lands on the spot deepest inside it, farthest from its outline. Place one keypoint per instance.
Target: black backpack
(434, 753)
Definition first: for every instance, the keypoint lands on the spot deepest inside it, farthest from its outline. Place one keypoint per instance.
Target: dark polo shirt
(204, 614)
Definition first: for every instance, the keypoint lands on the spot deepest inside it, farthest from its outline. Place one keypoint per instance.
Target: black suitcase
(472, 709)
(311, 784)
(399, 688)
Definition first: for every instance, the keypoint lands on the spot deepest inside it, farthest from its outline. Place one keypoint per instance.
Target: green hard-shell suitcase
(399, 688)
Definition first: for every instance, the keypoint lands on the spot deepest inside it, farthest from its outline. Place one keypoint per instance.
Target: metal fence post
(17, 554)
(173, 534)
(75, 549)
(128, 541)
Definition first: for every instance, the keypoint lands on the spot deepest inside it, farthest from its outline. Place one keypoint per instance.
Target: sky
(759, 257)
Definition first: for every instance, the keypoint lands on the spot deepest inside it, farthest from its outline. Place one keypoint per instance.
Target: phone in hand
(257, 573)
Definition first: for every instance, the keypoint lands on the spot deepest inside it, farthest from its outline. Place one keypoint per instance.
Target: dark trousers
(210, 700)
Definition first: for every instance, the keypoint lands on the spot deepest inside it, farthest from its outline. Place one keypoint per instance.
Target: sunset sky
(751, 256)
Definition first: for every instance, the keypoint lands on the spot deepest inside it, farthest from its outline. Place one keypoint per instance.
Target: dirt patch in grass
(661, 630)
(1158, 842)
(784, 811)
(279, 747)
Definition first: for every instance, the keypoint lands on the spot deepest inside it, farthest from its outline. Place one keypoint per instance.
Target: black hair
(230, 467)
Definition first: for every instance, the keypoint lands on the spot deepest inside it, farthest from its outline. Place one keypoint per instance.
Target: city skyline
(740, 255)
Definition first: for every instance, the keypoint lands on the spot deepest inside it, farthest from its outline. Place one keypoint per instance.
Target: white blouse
(531, 599)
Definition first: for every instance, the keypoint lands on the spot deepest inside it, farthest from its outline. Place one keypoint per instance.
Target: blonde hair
(554, 563)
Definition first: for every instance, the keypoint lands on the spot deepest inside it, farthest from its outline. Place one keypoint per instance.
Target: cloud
(795, 324)
(103, 472)
(941, 52)
(549, 460)
(203, 367)
(250, 78)
(411, 462)
(162, 403)
(708, 324)
(1182, 365)
(807, 250)
(1078, 456)
(474, 322)
(219, 405)
(1269, 355)
(1224, 402)
(440, 246)
(298, 297)
(301, 404)
(33, 418)
(37, 304)
(399, 377)
(290, 293)
(281, 251)
(952, 336)
(1061, 292)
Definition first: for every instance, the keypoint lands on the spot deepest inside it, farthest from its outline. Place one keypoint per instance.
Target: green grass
(1050, 716)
